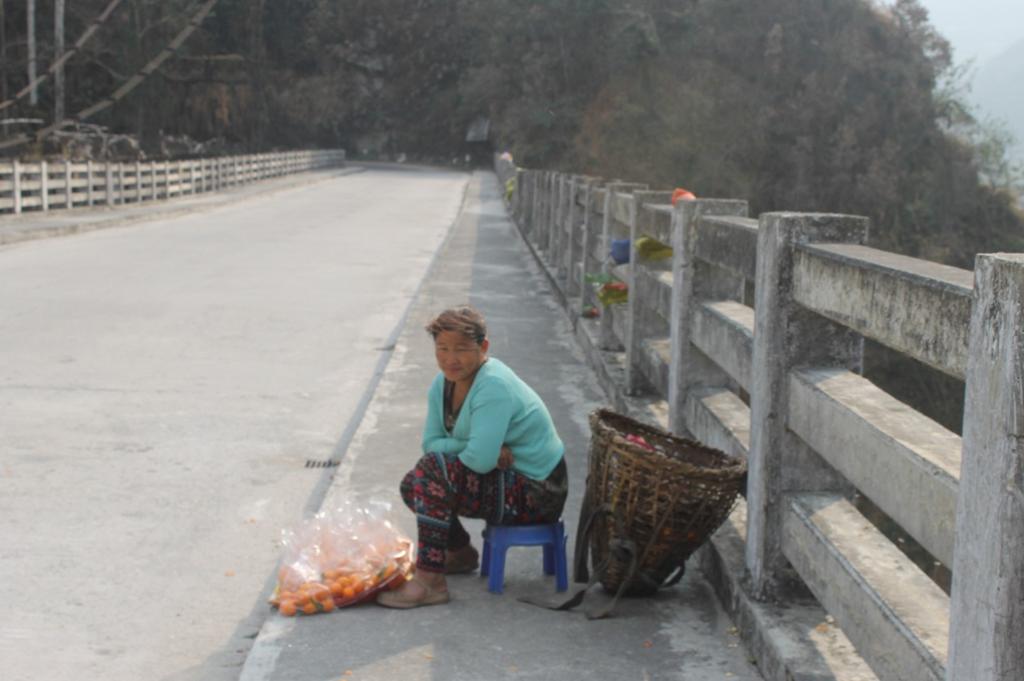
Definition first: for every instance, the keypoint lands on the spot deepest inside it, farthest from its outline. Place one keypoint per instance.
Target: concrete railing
(751, 339)
(46, 186)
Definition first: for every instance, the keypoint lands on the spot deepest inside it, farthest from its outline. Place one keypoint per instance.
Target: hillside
(792, 104)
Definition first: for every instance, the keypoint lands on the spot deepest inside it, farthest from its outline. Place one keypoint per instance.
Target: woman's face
(458, 357)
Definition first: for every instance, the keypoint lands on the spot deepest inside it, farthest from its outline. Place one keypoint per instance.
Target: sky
(978, 29)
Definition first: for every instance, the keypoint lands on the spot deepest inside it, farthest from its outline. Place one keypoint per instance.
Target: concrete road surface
(162, 387)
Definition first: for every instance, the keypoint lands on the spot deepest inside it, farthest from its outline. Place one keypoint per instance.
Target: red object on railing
(684, 194)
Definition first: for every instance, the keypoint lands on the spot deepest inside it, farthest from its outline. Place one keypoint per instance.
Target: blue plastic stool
(498, 539)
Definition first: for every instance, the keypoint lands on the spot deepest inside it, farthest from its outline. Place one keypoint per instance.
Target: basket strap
(623, 549)
(621, 546)
(581, 552)
(581, 573)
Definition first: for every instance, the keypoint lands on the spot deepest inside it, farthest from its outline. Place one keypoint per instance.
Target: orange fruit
(348, 592)
(301, 598)
(337, 588)
(327, 605)
(309, 609)
(323, 594)
(288, 608)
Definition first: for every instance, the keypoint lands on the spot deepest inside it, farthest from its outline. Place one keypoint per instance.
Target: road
(162, 387)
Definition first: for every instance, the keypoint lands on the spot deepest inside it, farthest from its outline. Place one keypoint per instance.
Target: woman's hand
(505, 458)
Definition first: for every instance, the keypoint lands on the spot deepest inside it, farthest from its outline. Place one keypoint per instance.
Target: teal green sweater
(499, 409)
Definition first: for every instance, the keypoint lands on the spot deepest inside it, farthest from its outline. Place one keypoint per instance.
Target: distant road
(162, 387)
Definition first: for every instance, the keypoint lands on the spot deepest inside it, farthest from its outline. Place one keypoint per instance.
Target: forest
(829, 105)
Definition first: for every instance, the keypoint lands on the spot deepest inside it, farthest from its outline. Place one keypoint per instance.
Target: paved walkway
(682, 633)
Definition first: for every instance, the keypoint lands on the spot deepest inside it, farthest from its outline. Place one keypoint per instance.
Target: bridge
(177, 390)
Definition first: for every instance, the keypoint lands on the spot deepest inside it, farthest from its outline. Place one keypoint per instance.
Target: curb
(261, 657)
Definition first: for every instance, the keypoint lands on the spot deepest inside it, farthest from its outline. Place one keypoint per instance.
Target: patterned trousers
(440, 488)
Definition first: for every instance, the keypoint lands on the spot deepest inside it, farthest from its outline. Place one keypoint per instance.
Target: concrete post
(578, 284)
(987, 598)
(544, 194)
(553, 222)
(633, 324)
(638, 320)
(517, 196)
(538, 206)
(531, 208)
(787, 336)
(571, 184)
(607, 340)
(69, 190)
(551, 226)
(121, 198)
(606, 336)
(689, 368)
(191, 177)
(44, 186)
(109, 173)
(555, 208)
(16, 185)
(89, 182)
(521, 198)
(152, 181)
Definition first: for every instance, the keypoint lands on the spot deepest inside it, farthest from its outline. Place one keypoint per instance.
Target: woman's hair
(464, 320)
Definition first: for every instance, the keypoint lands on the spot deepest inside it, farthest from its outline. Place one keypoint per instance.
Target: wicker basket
(665, 503)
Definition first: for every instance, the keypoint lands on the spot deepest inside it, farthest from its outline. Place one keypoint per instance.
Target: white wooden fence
(43, 186)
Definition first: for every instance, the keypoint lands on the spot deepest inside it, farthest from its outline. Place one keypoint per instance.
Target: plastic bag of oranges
(341, 557)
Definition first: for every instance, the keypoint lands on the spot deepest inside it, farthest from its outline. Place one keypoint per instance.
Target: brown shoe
(462, 561)
(413, 594)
